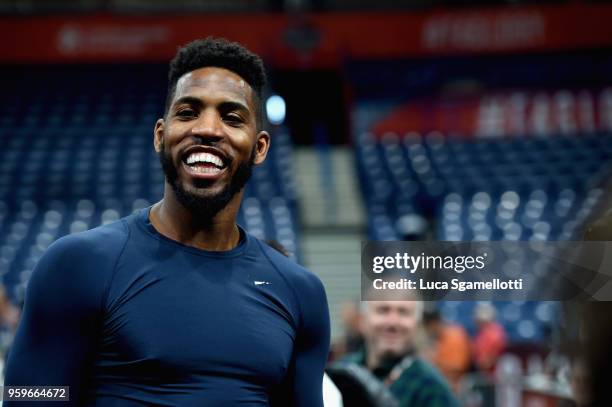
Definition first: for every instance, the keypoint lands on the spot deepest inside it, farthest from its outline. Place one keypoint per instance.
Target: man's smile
(205, 163)
(204, 170)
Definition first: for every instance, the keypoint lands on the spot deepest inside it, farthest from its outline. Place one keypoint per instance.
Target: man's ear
(262, 145)
(158, 134)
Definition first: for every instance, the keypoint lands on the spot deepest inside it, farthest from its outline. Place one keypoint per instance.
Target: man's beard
(204, 208)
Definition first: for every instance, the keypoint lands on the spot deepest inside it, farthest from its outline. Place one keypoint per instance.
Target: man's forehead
(213, 79)
(392, 304)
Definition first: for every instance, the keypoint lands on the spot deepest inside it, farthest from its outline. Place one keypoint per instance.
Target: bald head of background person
(389, 329)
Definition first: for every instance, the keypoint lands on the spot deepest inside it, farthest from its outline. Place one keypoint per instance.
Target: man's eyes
(186, 113)
(233, 118)
(404, 312)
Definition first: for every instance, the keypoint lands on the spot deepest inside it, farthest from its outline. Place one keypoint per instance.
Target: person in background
(450, 347)
(580, 382)
(9, 318)
(389, 329)
(490, 340)
(352, 339)
(9, 313)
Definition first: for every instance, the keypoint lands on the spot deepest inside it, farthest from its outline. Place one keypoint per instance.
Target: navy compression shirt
(125, 316)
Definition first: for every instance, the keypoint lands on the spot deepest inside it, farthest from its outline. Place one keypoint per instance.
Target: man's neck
(173, 220)
(373, 361)
(376, 361)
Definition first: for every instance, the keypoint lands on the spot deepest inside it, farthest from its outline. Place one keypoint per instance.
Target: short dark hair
(219, 52)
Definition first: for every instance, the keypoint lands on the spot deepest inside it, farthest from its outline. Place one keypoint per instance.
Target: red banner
(514, 112)
(313, 41)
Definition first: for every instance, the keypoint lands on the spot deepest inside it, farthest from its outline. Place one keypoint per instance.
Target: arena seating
(528, 188)
(75, 157)
(511, 189)
(524, 321)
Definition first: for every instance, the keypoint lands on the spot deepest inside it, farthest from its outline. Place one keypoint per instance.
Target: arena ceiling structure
(241, 6)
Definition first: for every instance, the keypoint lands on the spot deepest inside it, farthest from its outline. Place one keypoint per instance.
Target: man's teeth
(204, 158)
(205, 170)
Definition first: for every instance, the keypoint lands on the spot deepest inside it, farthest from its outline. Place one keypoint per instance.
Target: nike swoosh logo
(261, 282)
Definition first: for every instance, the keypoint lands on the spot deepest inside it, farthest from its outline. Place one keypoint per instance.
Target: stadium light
(276, 109)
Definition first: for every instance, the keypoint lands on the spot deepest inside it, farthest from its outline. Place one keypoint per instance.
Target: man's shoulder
(426, 369)
(106, 240)
(421, 371)
(420, 384)
(357, 357)
(109, 235)
(298, 276)
(76, 268)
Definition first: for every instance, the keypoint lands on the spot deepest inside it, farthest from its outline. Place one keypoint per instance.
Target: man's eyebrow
(233, 106)
(187, 100)
(229, 105)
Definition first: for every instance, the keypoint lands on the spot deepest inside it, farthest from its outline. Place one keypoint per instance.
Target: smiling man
(176, 305)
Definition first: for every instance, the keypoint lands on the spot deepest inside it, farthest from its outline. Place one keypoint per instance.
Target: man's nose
(393, 319)
(208, 125)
